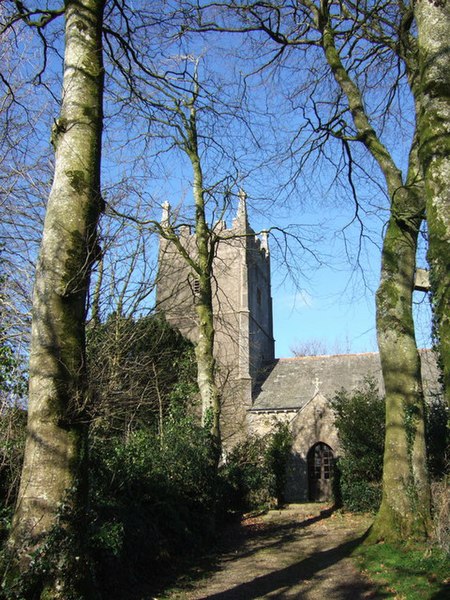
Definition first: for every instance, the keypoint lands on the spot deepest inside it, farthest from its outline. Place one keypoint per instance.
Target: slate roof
(289, 383)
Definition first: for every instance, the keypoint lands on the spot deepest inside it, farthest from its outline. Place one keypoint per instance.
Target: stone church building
(258, 389)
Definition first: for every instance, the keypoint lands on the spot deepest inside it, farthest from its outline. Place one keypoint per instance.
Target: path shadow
(279, 583)
(443, 594)
(242, 540)
(246, 540)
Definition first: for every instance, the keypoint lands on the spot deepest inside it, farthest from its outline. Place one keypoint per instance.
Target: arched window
(320, 472)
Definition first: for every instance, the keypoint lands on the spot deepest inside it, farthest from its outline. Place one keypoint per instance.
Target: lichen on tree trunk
(54, 462)
(433, 123)
(204, 352)
(405, 507)
(204, 349)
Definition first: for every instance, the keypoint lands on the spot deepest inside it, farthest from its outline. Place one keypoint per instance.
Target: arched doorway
(320, 472)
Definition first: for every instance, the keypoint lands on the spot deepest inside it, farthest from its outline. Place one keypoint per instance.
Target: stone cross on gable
(317, 383)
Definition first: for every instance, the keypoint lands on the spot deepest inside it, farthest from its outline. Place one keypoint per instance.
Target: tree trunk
(204, 349)
(204, 352)
(55, 455)
(433, 123)
(405, 507)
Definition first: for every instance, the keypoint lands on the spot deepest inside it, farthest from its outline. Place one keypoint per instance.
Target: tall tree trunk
(204, 349)
(433, 24)
(405, 507)
(55, 455)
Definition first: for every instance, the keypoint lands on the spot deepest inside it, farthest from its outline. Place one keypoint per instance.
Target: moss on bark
(433, 123)
(54, 463)
(405, 508)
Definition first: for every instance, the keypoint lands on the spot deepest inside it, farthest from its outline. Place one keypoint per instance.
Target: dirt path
(298, 552)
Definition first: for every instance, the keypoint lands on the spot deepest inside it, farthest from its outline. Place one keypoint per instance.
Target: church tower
(242, 304)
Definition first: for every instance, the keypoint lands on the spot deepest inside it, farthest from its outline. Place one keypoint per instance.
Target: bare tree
(312, 347)
(360, 59)
(24, 180)
(174, 102)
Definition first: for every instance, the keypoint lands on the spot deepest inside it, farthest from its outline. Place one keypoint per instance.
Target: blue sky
(327, 310)
(323, 315)
(333, 303)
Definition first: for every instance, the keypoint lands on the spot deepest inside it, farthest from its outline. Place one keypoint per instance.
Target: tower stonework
(242, 305)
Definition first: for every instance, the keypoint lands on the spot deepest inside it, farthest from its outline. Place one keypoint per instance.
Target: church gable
(290, 383)
(298, 391)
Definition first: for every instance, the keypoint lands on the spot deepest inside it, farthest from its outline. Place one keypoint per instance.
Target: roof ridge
(293, 358)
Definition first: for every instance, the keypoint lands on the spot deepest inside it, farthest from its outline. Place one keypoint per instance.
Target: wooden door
(320, 472)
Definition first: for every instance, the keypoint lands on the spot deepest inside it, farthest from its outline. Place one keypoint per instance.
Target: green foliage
(438, 438)
(360, 421)
(7, 368)
(359, 418)
(153, 499)
(247, 480)
(277, 453)
(440, 499)
(138, 369)
(254, 473)
(12, 434)
(357, 495)
(60, 560)
(13, 381)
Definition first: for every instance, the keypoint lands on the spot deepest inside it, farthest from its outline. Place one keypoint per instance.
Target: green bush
(254, 473)
(246, 478)
(12, 433)
(437, 438)
(357, 495)
(138, 369)
(360, 421)
(152, 499)
(359, 418)
(277, 453)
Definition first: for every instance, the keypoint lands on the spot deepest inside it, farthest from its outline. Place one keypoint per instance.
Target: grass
(408, 572)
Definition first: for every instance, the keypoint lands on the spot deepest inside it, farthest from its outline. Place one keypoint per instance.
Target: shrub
(138, 369)
(357, 495)
(359, 418)
(152, 499)
(437, 437)
(254, 474)
(441, 513)
(245, 477)
(277, 453)
(12, 434)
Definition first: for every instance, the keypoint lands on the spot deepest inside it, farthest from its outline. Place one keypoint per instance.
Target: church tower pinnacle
(241, 220)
